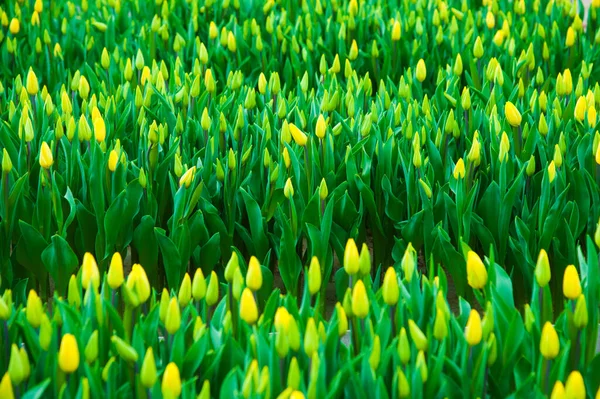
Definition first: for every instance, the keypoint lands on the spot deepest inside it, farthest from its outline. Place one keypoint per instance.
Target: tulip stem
(355, 335)
(577, 348)
(547, 376)
(6, 341)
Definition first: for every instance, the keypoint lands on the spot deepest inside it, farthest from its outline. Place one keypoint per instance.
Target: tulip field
(299, 199)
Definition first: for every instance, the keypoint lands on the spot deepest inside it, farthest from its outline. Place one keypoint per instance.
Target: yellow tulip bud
(115, 271)
(580, 108)
(342, 319)
(417, 336)
(171, 382)
(248, 308)
(311, 338)
(198, 285)
(16, 368)
(298, 135)
(575, 387)
(68, 354)
(185, 291)
(288, 189)
(421, 72)
(551, 171)
(360, 300)
(459, 169)
(6, 389)
(549, 343)
(473, 331)
(314, 276)
(351, 257)
(571, 284)
(148, 375)
(570, 38)
(91, 348)
(46, 159)
(254, 277)
(512, 114)
(390, 287)
(212, 292)
(396, 31)
(34, 309)
(32, 83)
(89, 272)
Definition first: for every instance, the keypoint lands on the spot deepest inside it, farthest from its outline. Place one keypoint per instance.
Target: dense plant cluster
(254, 143)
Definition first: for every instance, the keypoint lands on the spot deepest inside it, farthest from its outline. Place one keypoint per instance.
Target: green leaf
(60, 261)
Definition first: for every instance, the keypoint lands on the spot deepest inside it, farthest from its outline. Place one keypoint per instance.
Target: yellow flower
(314, 276)
(173, 319)
(478, 48)
(113, 160)
(34, 309)
(375, 356)
(580, 108)
(212, 292)
(396, 31)
(575, 387)
(91, 348)
(15, 26)
(421, 72)
(46, 159)
(185, 291)
(171, 382)
(360, 300)
(417, 336)
(6, 389)
(254, 278)
(298, 135)
(390, 289)
(115, 271)
(7, 163)
(512, 114)
(476, 271)
(440, 326)
(248, 308)
(473, 330)
(403, 385)
(542, 269)
(288, 188)
(551, 171)
(198, 285)
(321, 127)
(138, 284)
(148, 370)
(231, 42)
(571, 283)
(99, 129)
(504, 148)
(459, 169)
(351, 257)
(188, 177)
(342, 319)
(558, 392)
(68, 354)
(17, 370)
(568, 81)
(549, 343)
(570, 39)
(311, 338)
(409, 262)
(324, 191)
(32, 83)
(89, 272)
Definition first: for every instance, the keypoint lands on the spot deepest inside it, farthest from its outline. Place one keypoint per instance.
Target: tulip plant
(214, 153)
(114, 336)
